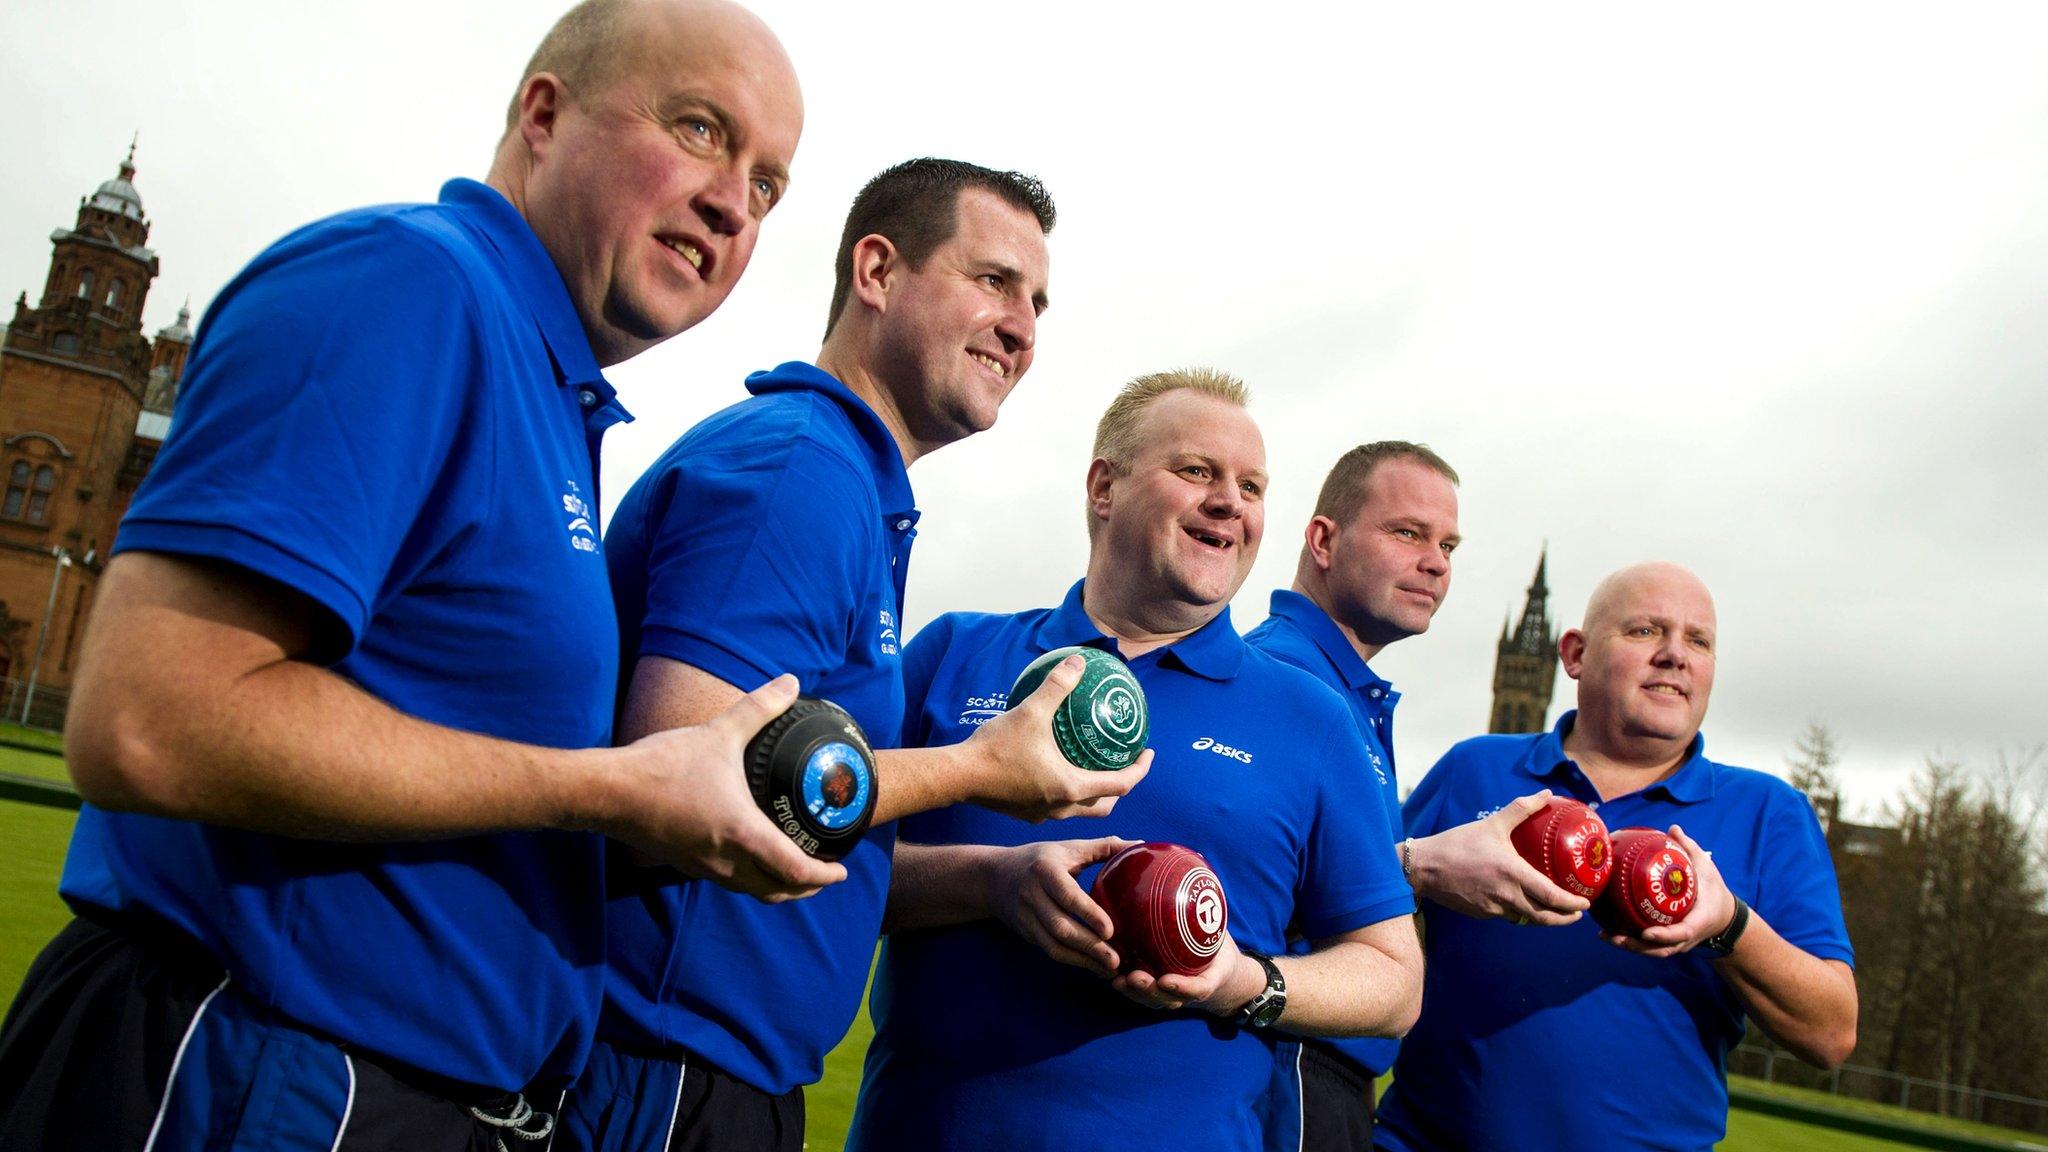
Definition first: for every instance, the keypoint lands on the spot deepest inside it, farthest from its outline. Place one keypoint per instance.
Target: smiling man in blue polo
(1001, 1019)
(1375, 565)
(1551, 1037)
(775, 536)
(343, 719)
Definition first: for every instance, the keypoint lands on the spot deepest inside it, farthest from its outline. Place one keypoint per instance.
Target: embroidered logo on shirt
(888, 637)
(1379, 766)
(582, 531)
(979, 710)
(1209, 744)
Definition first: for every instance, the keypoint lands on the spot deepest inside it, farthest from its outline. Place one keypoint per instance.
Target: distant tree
(1811, 769)
(1952, 943)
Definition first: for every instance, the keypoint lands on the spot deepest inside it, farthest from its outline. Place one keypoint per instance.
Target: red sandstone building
(85, 401)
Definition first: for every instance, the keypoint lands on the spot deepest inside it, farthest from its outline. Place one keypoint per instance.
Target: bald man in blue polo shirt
(1552, 1037)
(1375, 565)
(776, 535)
(1000, 1018)
(343, 718)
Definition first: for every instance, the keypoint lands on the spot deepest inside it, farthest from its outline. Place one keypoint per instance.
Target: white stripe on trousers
(682, 1070)
(348, 1108)
(171, 1081)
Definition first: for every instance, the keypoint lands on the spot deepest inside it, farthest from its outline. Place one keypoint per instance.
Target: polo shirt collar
(885, 459)
(1692, 783)
(1214, 651)
(536, 281)
(1316, 624)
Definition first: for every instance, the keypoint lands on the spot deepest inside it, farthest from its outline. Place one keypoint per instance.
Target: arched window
(85, 284)
(39, 492)
(17, 490)
(114, 293)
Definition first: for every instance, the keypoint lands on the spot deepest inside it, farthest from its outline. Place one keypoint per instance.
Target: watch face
(1268, 1012)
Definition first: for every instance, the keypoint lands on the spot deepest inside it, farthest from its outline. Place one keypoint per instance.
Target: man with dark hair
(1002, 1019)
(907, 203)
(1567, 1037)
(776, 535)
(1375, 565)
(343, 718)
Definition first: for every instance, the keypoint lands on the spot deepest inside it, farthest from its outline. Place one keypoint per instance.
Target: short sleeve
(1354, 876)
(756, 562)
(1797, 892)
(322, 400)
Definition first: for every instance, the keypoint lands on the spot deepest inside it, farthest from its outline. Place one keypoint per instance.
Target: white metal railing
(44, 709)
(1769, 1063)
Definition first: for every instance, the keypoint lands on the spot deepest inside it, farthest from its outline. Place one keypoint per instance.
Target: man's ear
(1319, 536)
(876, 263)
(1571, 651)
(1101, 474)
(540, 106)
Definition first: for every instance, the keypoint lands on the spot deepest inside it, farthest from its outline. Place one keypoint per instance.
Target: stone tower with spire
(1525, 664)
(85, 400)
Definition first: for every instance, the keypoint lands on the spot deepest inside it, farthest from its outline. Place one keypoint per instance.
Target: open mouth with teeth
(688, 251)
(990, 363)
(1208, 538)
(1664, 689)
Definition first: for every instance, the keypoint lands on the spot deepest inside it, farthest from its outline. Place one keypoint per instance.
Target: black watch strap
(1724, 943)
(1264, 1009)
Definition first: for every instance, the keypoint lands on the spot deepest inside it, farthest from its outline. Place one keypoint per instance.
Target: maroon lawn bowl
(1167, 907)
(1652, 885)
(1566, 842)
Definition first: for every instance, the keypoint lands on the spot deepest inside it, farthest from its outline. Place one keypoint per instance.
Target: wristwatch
(1724, 943)
(1263, 1010)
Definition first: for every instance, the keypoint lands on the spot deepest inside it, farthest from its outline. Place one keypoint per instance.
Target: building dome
(182, 330)
(119, 195)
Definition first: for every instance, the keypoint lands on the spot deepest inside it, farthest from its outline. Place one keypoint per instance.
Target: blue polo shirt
(1302, 634)
(395, 412)
(983, 1042)
(773, 537)
(1549, 1037)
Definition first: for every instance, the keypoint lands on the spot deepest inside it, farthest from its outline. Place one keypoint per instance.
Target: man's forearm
(1805, 1003)
(913, 780)
(281, 745)
(1364, 983)
(934, 885)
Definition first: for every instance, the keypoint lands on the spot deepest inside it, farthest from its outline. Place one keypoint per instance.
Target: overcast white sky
(1757, 288)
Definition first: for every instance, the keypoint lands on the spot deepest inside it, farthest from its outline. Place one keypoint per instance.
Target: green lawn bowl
(1103, 724)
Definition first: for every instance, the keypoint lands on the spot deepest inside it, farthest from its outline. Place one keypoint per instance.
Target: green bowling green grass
(34, 839)
(1755, 1132)
(26, 762)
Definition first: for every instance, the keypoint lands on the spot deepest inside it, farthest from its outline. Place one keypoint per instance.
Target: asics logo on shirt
(1209, 744)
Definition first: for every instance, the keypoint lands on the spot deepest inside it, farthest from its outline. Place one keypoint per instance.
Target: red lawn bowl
(1566, 842)
(1652, 885)
(1167, 907)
